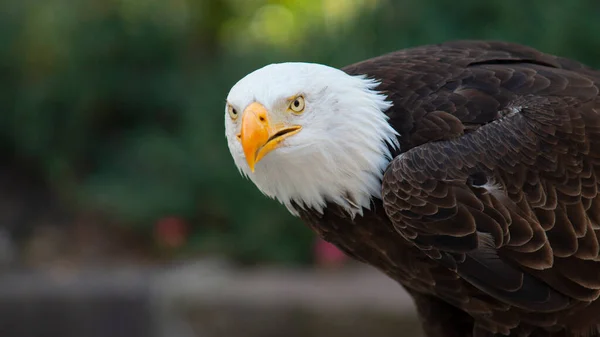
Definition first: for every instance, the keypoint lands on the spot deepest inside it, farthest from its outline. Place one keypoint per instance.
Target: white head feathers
(342, 149)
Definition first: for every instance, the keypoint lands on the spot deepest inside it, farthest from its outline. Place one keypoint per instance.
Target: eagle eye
(297, 104)
(232, 112)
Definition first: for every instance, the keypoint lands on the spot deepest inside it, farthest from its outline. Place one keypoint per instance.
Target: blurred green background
(112, 110)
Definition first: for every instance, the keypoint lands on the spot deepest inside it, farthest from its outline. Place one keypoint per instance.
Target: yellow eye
(232, 112)
(297, 105)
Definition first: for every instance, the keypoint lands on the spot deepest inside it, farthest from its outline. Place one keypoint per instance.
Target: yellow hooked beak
(259, 136)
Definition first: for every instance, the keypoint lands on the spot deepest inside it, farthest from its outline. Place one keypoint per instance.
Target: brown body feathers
(490, 215)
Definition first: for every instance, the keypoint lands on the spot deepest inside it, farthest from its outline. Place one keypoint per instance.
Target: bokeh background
(113, 156)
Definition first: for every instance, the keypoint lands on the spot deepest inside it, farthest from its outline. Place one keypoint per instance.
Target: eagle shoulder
(509, 201)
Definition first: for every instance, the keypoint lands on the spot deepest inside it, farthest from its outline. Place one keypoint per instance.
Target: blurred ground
(203, 299)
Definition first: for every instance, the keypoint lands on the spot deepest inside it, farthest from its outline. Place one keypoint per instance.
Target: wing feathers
(512, 201)
(497, 180)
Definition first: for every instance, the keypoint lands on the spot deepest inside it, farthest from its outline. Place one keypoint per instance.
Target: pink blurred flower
(171, 231)
(328, 255)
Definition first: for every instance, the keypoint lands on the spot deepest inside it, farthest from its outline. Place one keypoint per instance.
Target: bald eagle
(466, 171)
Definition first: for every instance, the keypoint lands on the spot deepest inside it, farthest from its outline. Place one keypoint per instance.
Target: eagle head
(308, 134)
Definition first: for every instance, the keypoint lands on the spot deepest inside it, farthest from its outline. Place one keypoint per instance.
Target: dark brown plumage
(490, 215)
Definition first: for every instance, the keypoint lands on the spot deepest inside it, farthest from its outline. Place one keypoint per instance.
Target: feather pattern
(490, 213)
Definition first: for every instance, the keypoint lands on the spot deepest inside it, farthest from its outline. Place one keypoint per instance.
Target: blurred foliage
(120, 103)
